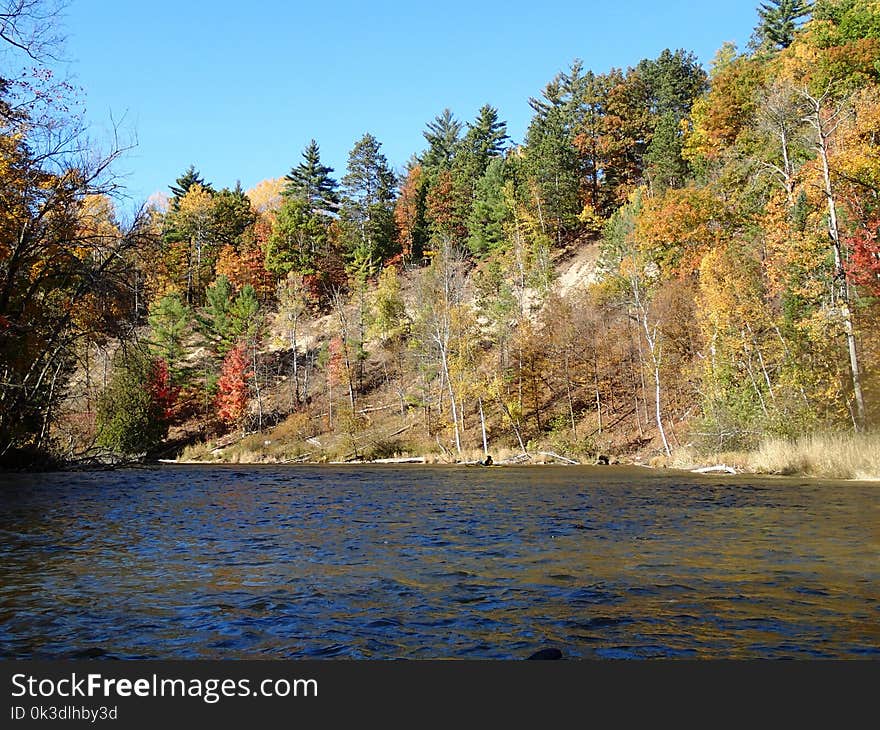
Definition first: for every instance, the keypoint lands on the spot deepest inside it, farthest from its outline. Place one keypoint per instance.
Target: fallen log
(717, 469)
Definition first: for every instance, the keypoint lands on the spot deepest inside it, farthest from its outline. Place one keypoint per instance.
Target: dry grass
(828, 455)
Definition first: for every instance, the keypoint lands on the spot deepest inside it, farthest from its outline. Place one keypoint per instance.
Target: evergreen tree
(483, 142)
(298, 238)
(182, 185)
(310, 181)
(552, 189)
(443, 139)
(670, 83)
(486, 137)
(664, 165)
(368, 204)
(169, 321)
(490, 211)
(131, 419)
(216, 323)
(233, 215)
(779, 21)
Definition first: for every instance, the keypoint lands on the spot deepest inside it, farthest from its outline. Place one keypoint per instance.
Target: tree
(368, 204)
(551, 165)
(232, 387)
(442, 136)
(192, 229)
(182, 185)
(233, 215)
(311, 183)
(135, 409)
(292, 305)
(409, 214)
(438, 323)
(297, 239)
(664, 164)
(864, 263)
(169, 321)
(490, 213)
(779, 21)
(825, 117)
(64, 280)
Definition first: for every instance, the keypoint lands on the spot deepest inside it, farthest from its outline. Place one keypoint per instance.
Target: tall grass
(829, 455)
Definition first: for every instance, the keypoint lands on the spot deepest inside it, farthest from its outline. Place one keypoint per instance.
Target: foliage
(135, 409)
(232, 390)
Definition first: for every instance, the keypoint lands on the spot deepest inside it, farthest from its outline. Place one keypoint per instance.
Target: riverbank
(820, 455)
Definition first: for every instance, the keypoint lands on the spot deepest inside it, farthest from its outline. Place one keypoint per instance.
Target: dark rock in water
(93, 652)
(548, 654)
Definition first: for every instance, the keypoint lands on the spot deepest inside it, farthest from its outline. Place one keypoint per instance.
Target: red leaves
(863, 267)
(231, 400)
(163, 392)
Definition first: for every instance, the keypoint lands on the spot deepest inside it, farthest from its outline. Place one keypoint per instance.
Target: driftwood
(554, 455)
(717, 469)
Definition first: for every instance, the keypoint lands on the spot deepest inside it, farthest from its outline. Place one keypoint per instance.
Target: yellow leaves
(856, 151)
(590, 219)
(677, 227)
(197, 204)
(266, 196)
(96, 222)
(730, 291)
(795, 259)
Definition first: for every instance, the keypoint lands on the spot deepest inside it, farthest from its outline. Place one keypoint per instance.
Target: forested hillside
(673, 259)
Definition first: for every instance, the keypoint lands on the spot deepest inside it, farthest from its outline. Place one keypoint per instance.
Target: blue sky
(238, 89)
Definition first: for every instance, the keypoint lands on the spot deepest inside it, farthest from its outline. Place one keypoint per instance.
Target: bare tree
(825, 115)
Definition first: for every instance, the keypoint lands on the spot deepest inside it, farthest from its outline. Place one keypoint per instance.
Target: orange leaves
(720, 116)
(678, 227)
(245, 266)
(409, 209)
(231, 400)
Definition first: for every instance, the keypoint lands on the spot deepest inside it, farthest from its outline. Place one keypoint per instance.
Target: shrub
(135, 409)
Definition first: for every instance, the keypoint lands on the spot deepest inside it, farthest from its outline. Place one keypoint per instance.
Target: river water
(424, 562)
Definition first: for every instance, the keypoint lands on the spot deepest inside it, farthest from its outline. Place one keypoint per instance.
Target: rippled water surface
(384, 562)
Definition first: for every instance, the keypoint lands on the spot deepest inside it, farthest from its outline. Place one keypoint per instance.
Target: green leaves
(310, 183)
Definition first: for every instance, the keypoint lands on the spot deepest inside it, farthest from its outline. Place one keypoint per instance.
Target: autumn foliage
(232, 387)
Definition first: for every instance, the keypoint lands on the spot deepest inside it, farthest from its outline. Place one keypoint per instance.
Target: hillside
(388, 425)
(676, 263)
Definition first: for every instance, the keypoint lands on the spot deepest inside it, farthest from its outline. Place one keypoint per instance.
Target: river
(425, 562)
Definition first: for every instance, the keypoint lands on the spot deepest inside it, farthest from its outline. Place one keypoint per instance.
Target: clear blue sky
(239, 88)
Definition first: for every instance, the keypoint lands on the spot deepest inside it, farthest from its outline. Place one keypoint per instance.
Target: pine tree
(780, 20)
(483, 142)
(298, 239)
(182, 185)
(169, 321)
(664, 164)
(215, 323)
(486, 137)
(490, 211)
(310, 181)
(368, 205)
(443, 140)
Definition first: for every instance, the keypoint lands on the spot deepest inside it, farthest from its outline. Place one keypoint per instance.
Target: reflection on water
(380, 562)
